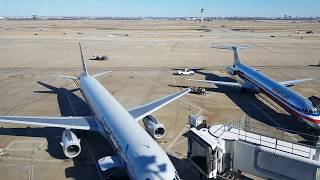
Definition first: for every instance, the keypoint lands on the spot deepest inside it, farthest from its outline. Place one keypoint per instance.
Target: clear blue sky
(164, 8)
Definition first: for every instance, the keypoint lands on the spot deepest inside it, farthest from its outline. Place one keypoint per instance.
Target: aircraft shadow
(184, 168)
(69, 103)
(315, 65)
(258, 110)
(93, 145)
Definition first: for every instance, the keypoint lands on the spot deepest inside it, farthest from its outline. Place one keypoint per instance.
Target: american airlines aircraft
(137, 151)
(253, 80)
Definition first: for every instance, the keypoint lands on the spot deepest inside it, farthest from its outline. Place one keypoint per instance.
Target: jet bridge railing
(276, 132)
(276, 144)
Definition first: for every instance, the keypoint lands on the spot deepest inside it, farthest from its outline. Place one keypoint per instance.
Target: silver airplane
(253, 80)
(137, 152)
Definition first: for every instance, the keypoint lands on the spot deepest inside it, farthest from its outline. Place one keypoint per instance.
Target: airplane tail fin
(84, 66)
(84, 70)
(235, 49)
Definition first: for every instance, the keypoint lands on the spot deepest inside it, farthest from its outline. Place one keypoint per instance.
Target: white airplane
(252, 79)
(137, 151)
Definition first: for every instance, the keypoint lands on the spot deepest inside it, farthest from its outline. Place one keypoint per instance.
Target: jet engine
(153, 127)
(70, 144)
(231, 70)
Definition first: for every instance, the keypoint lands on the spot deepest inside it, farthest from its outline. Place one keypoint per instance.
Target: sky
(160, 8)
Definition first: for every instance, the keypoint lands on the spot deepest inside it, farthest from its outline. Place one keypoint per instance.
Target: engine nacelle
(154, 127)
(232, 71)
(70, 144)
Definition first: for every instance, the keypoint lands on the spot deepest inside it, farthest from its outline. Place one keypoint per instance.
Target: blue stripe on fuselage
(262, 81)
(272, 88)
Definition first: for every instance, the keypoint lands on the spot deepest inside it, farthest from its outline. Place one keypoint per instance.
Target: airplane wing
(223, 83)
(82, 123)
(144, 110)
(294, 82)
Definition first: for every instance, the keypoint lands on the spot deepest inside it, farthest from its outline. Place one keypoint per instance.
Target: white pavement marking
(269, 102)
(172, 143)
(3, 161)
(265, 114)
(26, 100)
(216, 104)
(30, 172)
(73, 111)
(310, 84)
(90, 152)
(180, 142)
(174, 82)
(29, 166)
(35, 159)
(163, 87)
(34, 144)
(94, 161)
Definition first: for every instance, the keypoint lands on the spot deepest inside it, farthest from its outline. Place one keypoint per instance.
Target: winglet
(235, 50)
(84, 66)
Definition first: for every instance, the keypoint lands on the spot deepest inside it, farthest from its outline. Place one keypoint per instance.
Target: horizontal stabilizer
(110, 162)
(66, 77)
(235, 49)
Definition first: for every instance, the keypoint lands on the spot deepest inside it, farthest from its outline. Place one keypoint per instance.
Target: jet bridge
(220, 149)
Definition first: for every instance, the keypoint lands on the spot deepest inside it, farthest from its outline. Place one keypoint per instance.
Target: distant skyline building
(163, 8)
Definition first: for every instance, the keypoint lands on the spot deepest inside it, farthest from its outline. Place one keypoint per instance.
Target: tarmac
(143, 57)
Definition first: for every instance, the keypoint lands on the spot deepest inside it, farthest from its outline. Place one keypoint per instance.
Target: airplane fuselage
(142, 157)
(291, 101)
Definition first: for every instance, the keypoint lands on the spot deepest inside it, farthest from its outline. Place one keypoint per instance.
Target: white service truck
(186, 72)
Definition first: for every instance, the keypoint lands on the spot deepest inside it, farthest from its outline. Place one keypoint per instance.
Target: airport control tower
(202, 14)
